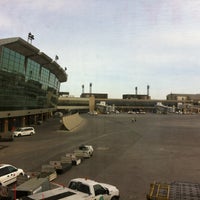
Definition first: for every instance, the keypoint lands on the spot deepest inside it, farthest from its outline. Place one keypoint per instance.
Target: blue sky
(116, 45)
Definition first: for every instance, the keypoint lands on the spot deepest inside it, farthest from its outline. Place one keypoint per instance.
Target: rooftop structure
(136, 96)
(182, 97)
(96, 95)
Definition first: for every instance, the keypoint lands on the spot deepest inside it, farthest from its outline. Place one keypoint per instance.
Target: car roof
(85, 181)
(4, 165)
(26, 127)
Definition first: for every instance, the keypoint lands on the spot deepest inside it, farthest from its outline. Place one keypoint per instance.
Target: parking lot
(129, 155)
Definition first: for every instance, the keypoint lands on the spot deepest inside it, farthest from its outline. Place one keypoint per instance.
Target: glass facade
(44, 78)
(25, 84)
(12, 61)
(32, 71)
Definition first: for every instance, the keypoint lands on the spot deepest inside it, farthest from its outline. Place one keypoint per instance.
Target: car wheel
(115, 198)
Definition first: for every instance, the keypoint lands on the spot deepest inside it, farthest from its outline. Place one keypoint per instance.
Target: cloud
(180, 37)
(45, 5)
(160, 48)
(5, 22)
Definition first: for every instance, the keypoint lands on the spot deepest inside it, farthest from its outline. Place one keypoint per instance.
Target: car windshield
(18, 129)
(98, 189)
(12, 169)
(80, 187)
(83, 148)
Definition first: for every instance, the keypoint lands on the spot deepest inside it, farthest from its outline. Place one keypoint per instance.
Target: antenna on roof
(90, 88)
(83, 89)
(136, 90)
(56, 58)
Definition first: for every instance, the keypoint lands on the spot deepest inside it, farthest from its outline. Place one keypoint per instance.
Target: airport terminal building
(29, 84)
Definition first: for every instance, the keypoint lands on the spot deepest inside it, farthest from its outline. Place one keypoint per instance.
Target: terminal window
(12, 61)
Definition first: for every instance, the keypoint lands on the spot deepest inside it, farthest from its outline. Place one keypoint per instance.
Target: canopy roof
(19, 45)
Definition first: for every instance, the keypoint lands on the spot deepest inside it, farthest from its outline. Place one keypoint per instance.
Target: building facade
(96, 95)
(29, 83)
(136, 96)
(195, 98)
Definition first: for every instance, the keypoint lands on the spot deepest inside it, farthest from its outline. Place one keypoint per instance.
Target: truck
(95, 190)
(84, 151)
(174, 191)
(58, 194)
(79, 189)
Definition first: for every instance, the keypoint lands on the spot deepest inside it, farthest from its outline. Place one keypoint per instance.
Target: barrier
(72, 121)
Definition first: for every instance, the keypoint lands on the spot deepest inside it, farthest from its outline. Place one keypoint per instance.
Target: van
(24, 131)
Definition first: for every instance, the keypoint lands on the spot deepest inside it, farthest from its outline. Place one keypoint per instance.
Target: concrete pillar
(42, 117)
(49, 114)
(5, 125)
(45, 116)
(35, 119)
(91, 103)
(23, 121)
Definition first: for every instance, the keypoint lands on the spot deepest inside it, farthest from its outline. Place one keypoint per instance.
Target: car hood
(20, 171)
(111, 188)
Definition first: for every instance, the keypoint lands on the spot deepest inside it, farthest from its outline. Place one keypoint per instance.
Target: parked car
(9, 174)
(94, 189)
(7, 136)
(84, 151)
(87, 148)
(24, 131)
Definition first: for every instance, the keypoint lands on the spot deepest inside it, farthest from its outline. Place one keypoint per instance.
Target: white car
(84, 151)
(94, 189)
(9, 174)
(87, 148)
(24, 131)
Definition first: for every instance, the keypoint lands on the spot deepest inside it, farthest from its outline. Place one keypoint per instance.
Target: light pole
(30, 37)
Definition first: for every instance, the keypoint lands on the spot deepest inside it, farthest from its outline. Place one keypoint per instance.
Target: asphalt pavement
(128, 154)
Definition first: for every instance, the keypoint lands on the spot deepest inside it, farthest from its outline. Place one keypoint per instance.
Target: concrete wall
(72, 121)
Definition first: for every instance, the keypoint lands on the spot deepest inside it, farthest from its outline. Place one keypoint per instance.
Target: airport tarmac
(129, 155)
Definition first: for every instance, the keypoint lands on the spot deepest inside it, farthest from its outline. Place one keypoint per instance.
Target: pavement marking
(102, 148)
